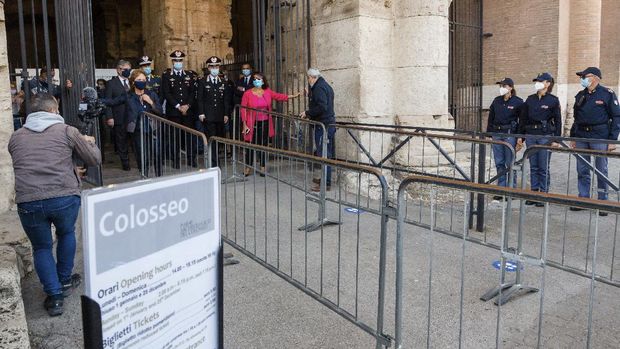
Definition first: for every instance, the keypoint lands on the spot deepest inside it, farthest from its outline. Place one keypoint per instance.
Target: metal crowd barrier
(575, 260)
(401, 153)
(439, 279)
(167, 148)
(291, 133)
(336, 266)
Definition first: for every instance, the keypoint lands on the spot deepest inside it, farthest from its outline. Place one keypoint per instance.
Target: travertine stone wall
(6, 122)
(200, 28)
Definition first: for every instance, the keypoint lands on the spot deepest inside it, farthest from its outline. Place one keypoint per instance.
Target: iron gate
(465, 66)
(73, 55)
(281, 48)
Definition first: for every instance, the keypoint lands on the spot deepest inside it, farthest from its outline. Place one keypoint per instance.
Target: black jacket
(241, 83)
(179, 90)
(116, 99)
(214, 99)
(321, 107)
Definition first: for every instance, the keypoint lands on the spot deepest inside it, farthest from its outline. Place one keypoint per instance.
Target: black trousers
(214, 129)
(260, 137)
(120, 142)
(176, 140)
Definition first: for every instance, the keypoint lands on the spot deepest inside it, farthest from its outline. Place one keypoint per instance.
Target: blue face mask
(214, 72)
(246, 72)
(126, 73)
(258, 83)
(585, 82)
(178, 65)
(147, 70)
(140, 85)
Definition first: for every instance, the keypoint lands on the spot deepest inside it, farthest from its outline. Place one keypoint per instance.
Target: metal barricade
(439, 279)
(289, 133)
(401, 153)
(576, 258)
(166, 148)
(342, 267)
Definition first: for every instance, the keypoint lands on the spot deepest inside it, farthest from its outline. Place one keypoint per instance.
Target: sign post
(153, 264)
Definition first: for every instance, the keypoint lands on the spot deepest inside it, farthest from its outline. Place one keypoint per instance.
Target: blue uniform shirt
(597, 114)
(504, 115)
(541, 116)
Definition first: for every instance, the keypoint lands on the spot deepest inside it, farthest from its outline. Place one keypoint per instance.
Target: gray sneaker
(69, 286)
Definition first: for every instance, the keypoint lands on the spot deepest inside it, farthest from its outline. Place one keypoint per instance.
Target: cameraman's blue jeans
(37, 218)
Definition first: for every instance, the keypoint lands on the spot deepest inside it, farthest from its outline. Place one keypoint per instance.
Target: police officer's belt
(590, 128)
(502, 127)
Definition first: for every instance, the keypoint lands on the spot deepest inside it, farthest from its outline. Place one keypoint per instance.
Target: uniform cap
(591, 70)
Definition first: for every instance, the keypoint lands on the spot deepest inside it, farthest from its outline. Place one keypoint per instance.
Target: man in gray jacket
(47, 191)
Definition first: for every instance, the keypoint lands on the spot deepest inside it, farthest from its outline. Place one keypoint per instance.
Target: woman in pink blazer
(257, 126)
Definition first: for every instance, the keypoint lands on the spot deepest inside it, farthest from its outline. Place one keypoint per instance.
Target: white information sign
(151, 254)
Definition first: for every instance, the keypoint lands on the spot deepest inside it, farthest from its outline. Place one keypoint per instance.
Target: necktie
(125, 85)
(247, 81)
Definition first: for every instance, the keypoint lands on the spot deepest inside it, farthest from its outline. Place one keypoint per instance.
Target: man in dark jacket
(47, 191)
(321, 108)
(116, 92)
(178, 89)
(214, 98)
(245, 82)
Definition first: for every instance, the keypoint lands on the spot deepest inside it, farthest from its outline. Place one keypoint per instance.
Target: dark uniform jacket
(135, 107)
(214, 99)
(541, 116)
(153, 83)
(321, 106)
(597, 114)
(179, 89)
(504, 115)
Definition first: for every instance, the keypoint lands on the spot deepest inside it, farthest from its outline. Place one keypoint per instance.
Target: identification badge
(544, 107)
(511, 107)
(600, 102)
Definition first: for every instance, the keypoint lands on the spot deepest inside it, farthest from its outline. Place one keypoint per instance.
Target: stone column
(200, 28)
(610, 45)
(421, 55)
(6, 122)
(584, 48)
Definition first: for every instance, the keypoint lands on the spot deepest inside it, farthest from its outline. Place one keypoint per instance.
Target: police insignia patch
(616, 102)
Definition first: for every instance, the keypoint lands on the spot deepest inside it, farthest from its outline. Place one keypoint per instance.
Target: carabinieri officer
(504, 121)
(597, 116)
(540, 117)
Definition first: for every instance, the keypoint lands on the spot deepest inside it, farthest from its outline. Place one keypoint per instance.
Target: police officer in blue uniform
(153, 82)
(214, 103)
(597, 116)
(179, 91)
(504, 121)
(539, 117)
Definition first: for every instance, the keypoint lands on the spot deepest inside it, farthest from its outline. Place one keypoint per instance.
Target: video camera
(91, 109)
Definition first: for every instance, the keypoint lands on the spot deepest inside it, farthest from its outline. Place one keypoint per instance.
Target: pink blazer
(249, 100)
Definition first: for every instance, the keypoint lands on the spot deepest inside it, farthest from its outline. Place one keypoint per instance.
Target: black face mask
(126, 73)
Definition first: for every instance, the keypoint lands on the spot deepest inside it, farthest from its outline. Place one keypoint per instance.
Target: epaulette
(611, 91)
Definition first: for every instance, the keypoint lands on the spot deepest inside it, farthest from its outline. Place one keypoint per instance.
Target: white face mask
(503, 91)
(539, 85)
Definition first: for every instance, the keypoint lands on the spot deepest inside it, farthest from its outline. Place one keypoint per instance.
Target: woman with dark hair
(540, 117)
(140, 100)
(504, 121)
(258, 126)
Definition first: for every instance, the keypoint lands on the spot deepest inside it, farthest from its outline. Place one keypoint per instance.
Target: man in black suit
(246, 82)
(116, 93)
(214, 98)
(178, 88)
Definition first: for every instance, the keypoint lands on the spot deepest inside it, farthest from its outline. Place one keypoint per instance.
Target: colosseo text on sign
(152, 261)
